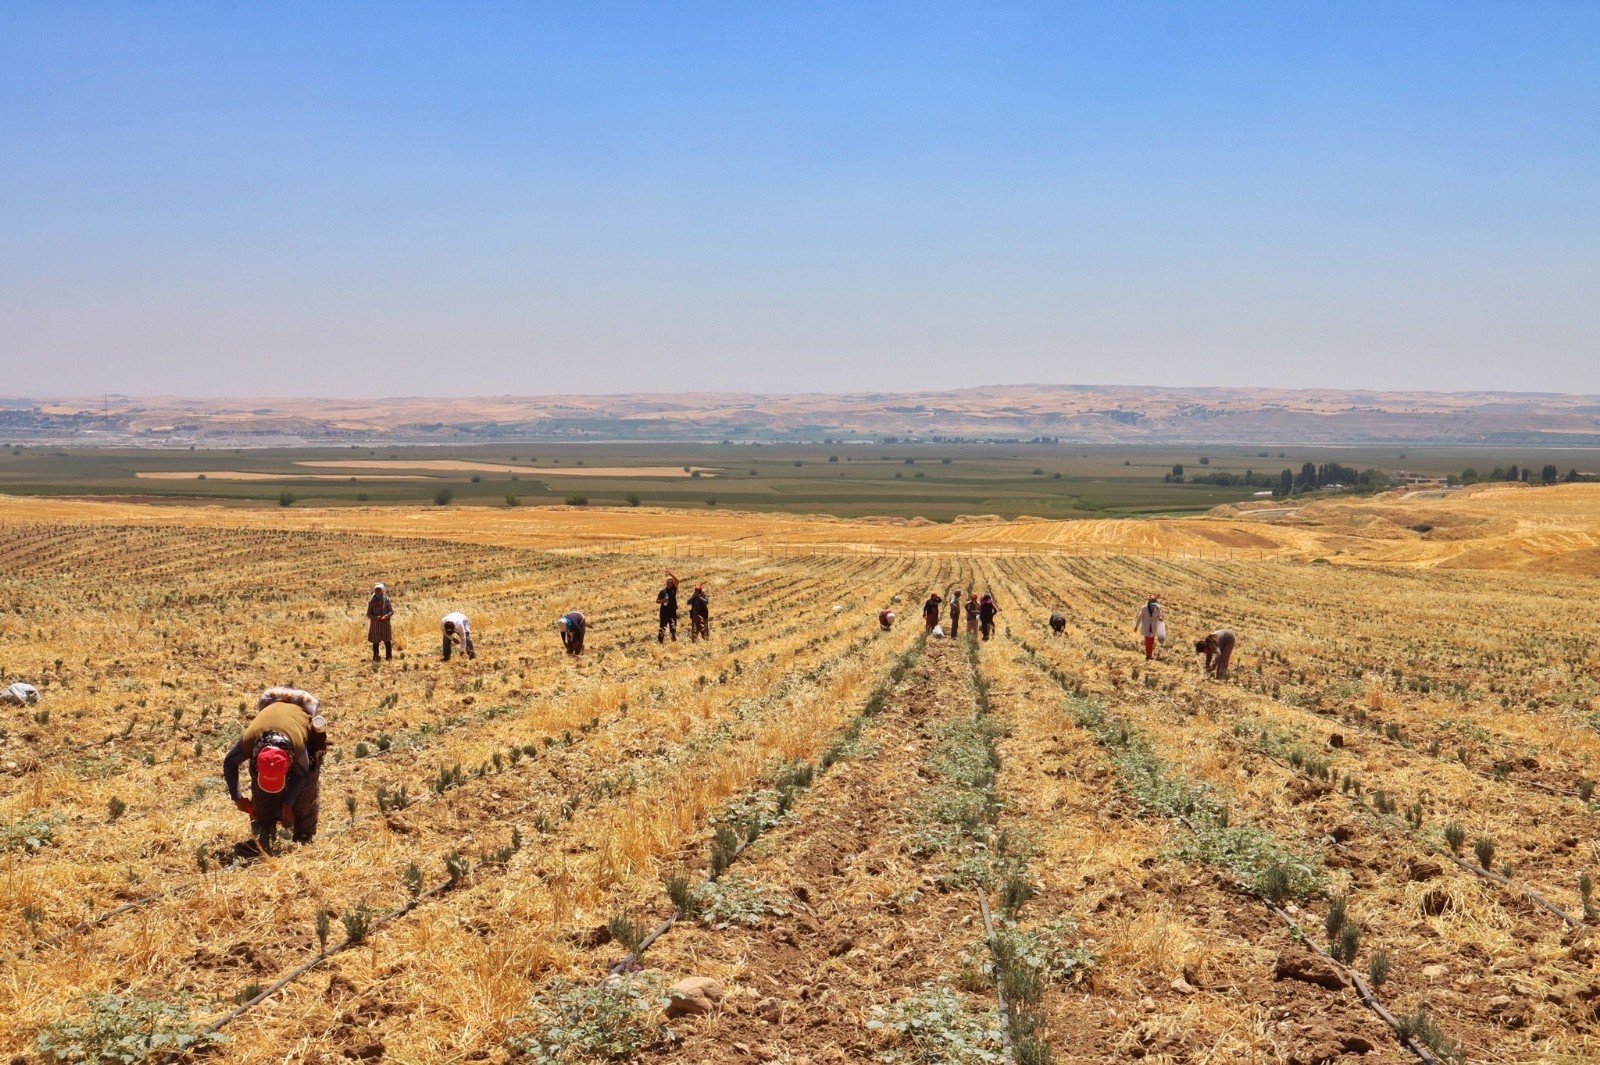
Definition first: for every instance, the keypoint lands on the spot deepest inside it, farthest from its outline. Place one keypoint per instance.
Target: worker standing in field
(930, 611)
(667, 601)
(1058, 623)
(885, 619)
(380, 612)
(283, 745)
(699, 614)
(572, 626)
(1151, 624)
(955, 613)
(457, 630)
(972, 612)
(987, 609)
(1218, 649)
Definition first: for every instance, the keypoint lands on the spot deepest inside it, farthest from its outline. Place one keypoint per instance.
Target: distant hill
(1079, 414)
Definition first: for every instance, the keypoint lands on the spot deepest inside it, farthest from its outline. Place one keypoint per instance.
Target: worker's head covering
(449, 626)
(699, 587)
(563, 622)
(378, 589)
(272, 769)
(672, 582)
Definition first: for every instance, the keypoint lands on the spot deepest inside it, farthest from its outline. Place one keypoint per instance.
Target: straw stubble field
(869, 840)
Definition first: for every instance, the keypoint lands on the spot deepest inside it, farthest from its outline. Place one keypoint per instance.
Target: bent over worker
(1058, 623)
(572, 626)
(283, 745)
(457, 630)
(885, 619)
(1218, 649)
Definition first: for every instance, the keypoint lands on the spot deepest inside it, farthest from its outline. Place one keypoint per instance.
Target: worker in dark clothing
(987, 609)
(972, 612)
(379, 628)
(699, 614)
(1218, 649)
(955, 613)
(1058, 623)
(667, 600)
(572, 626)
(283, 745)
(885, 619)
(930, 611)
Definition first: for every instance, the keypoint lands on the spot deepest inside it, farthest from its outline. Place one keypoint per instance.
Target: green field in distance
(932, 481)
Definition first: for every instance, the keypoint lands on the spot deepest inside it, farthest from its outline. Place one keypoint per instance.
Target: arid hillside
(1090, 414)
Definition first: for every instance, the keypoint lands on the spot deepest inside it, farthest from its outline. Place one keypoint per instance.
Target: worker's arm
(230, 770)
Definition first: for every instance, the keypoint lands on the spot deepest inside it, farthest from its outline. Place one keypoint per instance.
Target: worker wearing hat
(283, 746)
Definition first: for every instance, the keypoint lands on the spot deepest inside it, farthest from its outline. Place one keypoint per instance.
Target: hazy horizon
(366, 201)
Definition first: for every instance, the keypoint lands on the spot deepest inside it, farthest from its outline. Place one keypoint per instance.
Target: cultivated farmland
(1373, 843)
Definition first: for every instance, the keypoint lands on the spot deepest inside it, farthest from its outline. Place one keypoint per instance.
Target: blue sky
(468, 198)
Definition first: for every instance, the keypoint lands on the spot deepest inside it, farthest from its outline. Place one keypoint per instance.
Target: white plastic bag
(1161, 632)
(20, 694)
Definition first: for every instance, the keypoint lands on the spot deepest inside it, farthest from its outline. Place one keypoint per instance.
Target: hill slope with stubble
(809, 838)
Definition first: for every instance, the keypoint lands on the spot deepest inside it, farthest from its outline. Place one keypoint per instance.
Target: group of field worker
(284, 743)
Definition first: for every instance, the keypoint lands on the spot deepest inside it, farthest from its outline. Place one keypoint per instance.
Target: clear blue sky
(228, 198)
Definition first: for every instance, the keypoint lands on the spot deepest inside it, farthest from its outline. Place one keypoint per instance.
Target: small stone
(694, 996)
(1435, 972)
(1182, 986)
(1336, 740)
(770, 1010)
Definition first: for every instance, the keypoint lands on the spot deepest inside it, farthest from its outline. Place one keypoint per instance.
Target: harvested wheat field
(806, 839)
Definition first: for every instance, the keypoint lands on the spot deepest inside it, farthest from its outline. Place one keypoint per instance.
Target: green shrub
(934, 1025)
(125, 1029)
(612, 1021)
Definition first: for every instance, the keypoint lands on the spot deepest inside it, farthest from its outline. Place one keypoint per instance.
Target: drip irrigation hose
(1005, 1010)
(1368, 999)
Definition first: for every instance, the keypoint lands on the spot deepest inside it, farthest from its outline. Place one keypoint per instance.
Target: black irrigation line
(1368, 999)
(1008, 1051)
(1428, 848)
(898, 667)
(176, 890)
(1364, 992)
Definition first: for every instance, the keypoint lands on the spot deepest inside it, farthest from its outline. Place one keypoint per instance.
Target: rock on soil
(694, 996)
(1310, 968)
